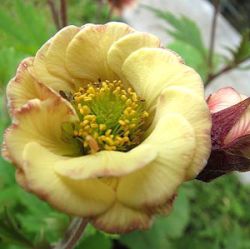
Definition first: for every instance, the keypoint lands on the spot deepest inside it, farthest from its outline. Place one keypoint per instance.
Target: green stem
(73, 234)
(225, 69)
(110, 13)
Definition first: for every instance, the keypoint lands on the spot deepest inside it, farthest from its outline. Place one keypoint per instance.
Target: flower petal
(106, 163)
(81, 198)
(41, 122)
(152, 186)
(223, 99)
(224, 121)
(222, 162)
(241, 128)
(25, 87)
(40, 71)
(121, 49)
(150, 70)
(55, 57)
(240, 146)
(120, 219)
(194, 109)
(86, 56)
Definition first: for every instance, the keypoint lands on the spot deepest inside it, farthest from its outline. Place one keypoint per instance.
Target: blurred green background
(214, 215)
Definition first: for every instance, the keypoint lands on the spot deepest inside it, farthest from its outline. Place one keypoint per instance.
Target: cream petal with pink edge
(40, 122)
(194, 108)
(240, 129)
(55, 57)
(86, 55)
(40, 71)
(81, 198)
(106, 163)
(223, 99)
(121, 49)
(121, 219)
(150, 70)
(25, 87)
(153, 185)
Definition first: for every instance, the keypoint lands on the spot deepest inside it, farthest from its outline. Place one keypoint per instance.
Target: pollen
(111, 117)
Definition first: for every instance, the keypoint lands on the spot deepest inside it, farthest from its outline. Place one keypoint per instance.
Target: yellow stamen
(102, 127)
(111, 116)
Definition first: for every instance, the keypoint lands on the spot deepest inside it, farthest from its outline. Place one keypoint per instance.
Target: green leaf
(6, 177)
(22, 28)
(216, 204)
(175, 224)
(241, 52)
(184, 29)
(10, 231)
(39, 219)
(6, 170)
(32, 25)
(164, 228)
(8, 196)
(9, 59)
(154, 238)
(10, 27)
(191, 56)
(96, 241)
(204, 216)
(88, 11)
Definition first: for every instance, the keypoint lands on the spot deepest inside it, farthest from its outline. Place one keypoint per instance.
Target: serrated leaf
(22, 28)
(32, 25)
(11, 28)
(39, 219)
(191, 56)
(184, 29)
(241, 52)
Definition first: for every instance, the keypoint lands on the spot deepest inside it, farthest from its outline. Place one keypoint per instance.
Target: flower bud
(119, 5)
(230, 134)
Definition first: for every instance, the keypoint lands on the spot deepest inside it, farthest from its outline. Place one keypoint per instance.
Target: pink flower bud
(230, 134)
(119, 5)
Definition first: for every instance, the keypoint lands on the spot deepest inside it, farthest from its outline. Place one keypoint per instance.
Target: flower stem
(225, 69)
(212, 37)
(100, 5)
(73, 234)
(110, 13)
(54, 13)
(64, 16)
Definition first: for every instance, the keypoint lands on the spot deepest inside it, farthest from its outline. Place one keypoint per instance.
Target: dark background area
(237, 12)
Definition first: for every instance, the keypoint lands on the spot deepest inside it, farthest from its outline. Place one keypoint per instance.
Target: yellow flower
(106, 125)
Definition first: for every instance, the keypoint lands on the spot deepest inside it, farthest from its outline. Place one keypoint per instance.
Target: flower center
(111, 117)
